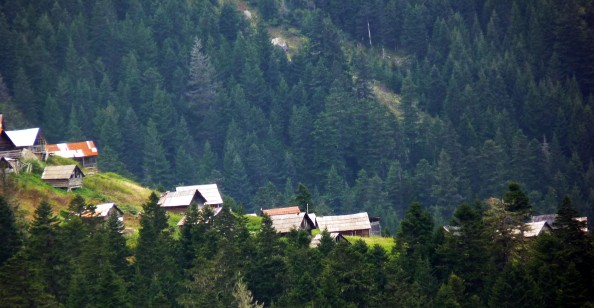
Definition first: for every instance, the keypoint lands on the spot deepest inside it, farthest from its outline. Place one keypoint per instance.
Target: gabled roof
(315, 241)
(550, 219)
(59, 172)
(282, 211)
(179, 198)
(536, 228)
(359, 221)
(210, 192)
(71, 150)
(284, 223)
(23, 137)
(102, 210)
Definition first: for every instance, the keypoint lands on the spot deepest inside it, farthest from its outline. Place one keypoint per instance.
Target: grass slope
(27, 190)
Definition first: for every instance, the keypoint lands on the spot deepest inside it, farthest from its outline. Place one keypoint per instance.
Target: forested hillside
(474, 94)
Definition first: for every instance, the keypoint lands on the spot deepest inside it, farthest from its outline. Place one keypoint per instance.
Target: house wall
(5, 144)
(362, 233)
(176, 209)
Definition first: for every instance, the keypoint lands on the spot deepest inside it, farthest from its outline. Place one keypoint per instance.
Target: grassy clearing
(386, 243)
(28, 190)
(389, 99)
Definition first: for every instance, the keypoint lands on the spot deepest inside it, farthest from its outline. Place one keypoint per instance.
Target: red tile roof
(71, 150)
(282, 211)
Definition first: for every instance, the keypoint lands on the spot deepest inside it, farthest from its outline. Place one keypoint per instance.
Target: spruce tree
(9, 233)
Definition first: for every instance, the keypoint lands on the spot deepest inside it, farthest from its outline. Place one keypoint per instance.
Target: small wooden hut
(354, 224)
(67, 176)
(8, 165)
(337, 237)
(103, 211)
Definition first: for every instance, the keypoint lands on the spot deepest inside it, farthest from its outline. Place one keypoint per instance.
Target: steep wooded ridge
(174, 92)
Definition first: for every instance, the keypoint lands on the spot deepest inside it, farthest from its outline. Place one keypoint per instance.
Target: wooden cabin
(84, 152)
(283, 224)
(68, 176)
(550, 219)
(282, 211)
(337, 237)
(5, 143)
(103, 211)
(210, 192)
(179, 201)
(534, 229)
(354, 224)
(30, 139)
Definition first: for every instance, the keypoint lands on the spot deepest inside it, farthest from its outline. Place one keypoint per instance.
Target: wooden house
(30, 139)
(179, 201)
(103, 211)
(68, 176)
(6, 145)
(550, 219)
(353, 224)
(282, 211)
(283, 224)
(83, 152)
(337, 237)
(534, 229)
(8, 165)
(210, 193)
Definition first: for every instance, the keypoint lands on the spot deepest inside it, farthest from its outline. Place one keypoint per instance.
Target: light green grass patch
(386, 243)
(253, 223)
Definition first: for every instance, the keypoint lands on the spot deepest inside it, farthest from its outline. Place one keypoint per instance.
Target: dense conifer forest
(416, 111)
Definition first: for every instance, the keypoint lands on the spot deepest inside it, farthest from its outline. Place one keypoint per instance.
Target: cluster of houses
(18, 146)
(284, 219)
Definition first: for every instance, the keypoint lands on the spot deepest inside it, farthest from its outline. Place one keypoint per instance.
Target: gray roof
(284, 223)
(315, 241)
(58, 172)
(359, 221)
(210, 192)
(178, 198)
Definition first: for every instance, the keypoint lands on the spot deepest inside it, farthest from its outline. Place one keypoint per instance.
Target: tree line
(484, 260)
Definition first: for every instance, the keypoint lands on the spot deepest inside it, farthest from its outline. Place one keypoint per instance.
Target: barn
(353, 224)
(67, 176)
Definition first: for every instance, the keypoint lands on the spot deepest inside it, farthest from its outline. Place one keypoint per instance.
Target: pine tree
(303, 197)
(155, 165)
(414, 236)
(202, 87)
(9, 233)
(156, 277)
